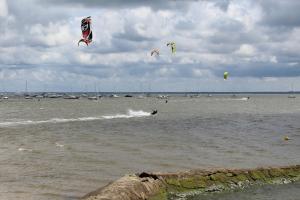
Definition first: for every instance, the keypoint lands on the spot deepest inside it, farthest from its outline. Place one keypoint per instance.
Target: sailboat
(27, 96)
(96, 97)
(292, 96)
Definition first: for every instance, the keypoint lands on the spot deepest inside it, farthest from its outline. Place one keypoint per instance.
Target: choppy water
(62, 149)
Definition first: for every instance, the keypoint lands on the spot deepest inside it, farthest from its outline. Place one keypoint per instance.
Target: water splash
(130, 114)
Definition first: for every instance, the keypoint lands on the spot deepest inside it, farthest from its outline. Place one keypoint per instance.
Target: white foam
(23, 149)
(232, 99)
(241, 99)
(130, 114)
(59, 145)
(89, 118)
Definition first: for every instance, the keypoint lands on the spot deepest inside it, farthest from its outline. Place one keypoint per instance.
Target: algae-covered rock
(257, 175)
(215, 188)
(276, 172)
(219, 177)
(292, 173)
(159, 186)
(161, 195)
(243, 177)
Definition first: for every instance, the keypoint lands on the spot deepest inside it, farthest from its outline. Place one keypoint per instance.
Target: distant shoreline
(68, 92)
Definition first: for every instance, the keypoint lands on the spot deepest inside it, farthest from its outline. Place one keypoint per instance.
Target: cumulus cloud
(246, 50)
(247, 38)
(117, 4)
(3, 8)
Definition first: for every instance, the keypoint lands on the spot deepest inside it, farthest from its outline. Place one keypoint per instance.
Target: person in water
(154, 112)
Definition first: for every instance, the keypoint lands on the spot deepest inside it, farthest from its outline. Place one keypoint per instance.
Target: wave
(130, 114)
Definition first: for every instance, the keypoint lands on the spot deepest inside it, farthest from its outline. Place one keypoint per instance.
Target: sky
(256, 41)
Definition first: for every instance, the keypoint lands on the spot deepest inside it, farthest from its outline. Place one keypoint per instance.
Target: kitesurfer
(154, 112)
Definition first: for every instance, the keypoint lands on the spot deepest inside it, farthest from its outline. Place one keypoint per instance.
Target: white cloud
(54, 34)
(202, 73)
(209, 40)
(273, 59)
(166, 71)
(270, 79)
(3, 8)
(293, 63)
(246, 50)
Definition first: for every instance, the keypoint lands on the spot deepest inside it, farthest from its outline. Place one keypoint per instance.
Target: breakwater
(163, 186)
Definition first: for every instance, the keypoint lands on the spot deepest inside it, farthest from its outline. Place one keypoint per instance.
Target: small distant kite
(155, 52)
(225, 75)
(173, 46)
(86, 31)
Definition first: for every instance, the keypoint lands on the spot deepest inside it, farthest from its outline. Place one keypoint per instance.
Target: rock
(159, 186)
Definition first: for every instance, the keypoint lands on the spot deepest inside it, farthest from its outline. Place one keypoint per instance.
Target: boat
(93, 98)
(28, 97)
(291, 95)
(39, 96)
(54, 96)
(71, 97)
(162, 97)
(114, 96)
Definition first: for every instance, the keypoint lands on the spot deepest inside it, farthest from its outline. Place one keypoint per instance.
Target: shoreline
(161, 186)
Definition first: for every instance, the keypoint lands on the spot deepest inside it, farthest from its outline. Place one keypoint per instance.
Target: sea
(64, 148)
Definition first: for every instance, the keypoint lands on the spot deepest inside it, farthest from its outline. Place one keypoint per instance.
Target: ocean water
(62, 149)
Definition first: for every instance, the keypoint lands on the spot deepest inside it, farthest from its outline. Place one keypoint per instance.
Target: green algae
(292, 173)
(221, 181)
(277, 172)
(243, 177)
(161, 195)
(219, 177)
(258, 175)
(188, 182)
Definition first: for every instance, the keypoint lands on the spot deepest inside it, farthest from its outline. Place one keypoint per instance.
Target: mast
(26, 92)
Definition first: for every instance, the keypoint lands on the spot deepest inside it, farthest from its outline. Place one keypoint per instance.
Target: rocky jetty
(163, 186)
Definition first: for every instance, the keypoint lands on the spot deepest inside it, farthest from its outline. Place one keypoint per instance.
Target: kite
(86, 31)
(155, 51)
(173, 46)
(225, 75)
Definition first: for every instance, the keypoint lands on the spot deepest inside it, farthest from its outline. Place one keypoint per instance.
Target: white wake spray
(130, 114)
